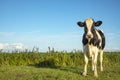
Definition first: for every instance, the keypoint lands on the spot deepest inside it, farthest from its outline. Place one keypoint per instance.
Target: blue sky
(43, 23)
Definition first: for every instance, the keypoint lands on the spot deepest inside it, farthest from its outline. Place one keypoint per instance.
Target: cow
(93, 44)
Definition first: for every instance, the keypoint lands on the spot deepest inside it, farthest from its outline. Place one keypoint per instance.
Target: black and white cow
(93, 44)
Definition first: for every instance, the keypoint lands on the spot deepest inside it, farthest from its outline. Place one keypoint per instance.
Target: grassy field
(55, 66)
(61, 73)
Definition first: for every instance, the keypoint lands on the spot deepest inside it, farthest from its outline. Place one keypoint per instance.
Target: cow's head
(89, 25)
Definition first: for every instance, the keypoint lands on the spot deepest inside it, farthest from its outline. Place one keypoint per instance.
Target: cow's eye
(92, 29)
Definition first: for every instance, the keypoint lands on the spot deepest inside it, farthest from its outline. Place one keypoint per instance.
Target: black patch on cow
(103, 39)
(95, 41)
(84, 40)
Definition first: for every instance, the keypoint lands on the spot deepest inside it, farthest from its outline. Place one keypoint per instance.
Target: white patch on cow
(89, 23)
(92, 51)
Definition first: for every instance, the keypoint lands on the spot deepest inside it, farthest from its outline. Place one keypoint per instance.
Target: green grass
(60, 73)
(55, 66)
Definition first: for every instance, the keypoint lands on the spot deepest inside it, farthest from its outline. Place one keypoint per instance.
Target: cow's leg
(101, 60)
(95, 62)
(92, 62)
(86, 63)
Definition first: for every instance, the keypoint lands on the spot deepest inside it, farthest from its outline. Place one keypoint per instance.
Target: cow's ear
(81, 24)
(98, 23)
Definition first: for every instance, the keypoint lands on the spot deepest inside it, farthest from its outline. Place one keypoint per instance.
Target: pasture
(55, 66)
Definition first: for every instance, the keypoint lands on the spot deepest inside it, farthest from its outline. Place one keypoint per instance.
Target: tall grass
(51, 58)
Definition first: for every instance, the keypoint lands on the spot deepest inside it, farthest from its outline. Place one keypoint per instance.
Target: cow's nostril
(89, 35)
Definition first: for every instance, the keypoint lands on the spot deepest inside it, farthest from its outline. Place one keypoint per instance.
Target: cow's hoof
(96, 75)
(84, 74)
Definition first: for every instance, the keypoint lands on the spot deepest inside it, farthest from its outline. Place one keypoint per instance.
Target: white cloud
(1, 46)
(8, 46)
(112, 49)
(17, 45)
